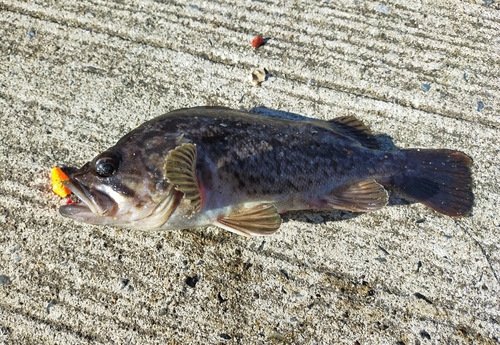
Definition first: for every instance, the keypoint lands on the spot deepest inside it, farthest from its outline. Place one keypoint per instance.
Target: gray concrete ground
(77, 75)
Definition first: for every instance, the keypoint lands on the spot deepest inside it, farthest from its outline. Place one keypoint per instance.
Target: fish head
(121, 187)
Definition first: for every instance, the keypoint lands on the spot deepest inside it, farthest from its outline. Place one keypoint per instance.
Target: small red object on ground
(258, 41)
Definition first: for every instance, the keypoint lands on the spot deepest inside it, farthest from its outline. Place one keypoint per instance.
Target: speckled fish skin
(251, 162)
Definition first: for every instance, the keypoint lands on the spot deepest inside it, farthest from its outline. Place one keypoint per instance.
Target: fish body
(239, 171)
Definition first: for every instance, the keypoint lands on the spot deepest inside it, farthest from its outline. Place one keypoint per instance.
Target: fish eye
(107, 165)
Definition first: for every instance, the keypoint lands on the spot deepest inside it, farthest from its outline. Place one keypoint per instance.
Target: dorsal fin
(354, 128)
(260, 220)
(363, 196)
(180, 170)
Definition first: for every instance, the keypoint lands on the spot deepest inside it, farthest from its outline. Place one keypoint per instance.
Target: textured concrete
(77, 75)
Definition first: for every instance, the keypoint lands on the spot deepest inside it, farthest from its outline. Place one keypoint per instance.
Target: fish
(239, 171)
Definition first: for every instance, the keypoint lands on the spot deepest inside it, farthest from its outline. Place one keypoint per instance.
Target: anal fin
(180, 170)
(260, 220)
(363, 196)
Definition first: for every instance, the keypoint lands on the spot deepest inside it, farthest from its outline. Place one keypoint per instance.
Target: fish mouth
(91, 205)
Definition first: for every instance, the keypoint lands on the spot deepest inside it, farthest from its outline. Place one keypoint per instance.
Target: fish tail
(439, 179)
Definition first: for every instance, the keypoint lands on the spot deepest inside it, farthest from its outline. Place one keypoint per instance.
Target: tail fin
(439, 179)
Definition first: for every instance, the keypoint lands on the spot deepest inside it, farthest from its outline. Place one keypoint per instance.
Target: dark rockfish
(216, 166)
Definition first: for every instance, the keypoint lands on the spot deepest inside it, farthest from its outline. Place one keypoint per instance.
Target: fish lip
(78, 212)
(84, 195)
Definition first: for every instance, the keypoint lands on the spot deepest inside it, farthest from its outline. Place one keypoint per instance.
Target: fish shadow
(321, 216)
(318, 216)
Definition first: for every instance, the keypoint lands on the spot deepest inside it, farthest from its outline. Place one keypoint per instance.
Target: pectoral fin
(364, 196)
(260, 220)
(180, 170)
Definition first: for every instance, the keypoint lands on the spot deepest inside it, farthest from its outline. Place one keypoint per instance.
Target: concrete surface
(77, 75)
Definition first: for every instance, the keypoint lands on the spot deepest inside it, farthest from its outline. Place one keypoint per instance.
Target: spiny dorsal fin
(354, 128)
(364, 196)
(180, 170)
(260, 220)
